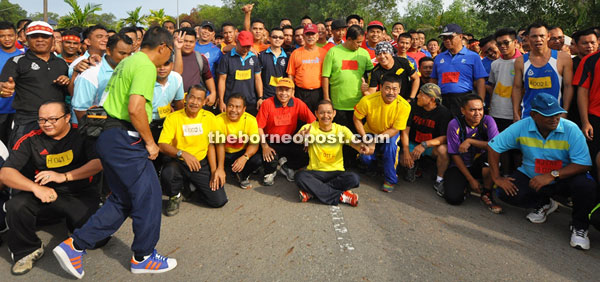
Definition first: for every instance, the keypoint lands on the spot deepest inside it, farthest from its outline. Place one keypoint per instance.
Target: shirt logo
(530, 72)
(59, 160)
(463, 61)
(442, 61)
(282, 63)
(35, 66)
(251, 61)
(207, 55)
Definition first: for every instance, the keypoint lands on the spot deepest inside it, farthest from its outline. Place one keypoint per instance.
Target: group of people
(100, 124)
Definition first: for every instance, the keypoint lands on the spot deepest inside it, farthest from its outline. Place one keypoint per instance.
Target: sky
(118, 7)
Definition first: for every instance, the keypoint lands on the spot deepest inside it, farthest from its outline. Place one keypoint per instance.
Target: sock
(77, 247)
(439, 179)
(140, 258)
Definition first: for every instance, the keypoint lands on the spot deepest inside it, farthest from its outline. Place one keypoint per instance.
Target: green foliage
(109, 20)
(40, 16)
(134, 18)
(11, 12)
(157, 17)
(79, 17)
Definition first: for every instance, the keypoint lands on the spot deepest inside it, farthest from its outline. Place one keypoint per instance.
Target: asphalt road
(267, 234)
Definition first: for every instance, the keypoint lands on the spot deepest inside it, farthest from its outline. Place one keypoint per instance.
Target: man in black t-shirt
(62, 164)
(425, 133)
(388, 64)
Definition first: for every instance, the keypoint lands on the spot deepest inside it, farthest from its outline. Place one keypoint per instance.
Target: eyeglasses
(560, 38)
(52, 120)
(278, 37)
(167, 45)
(506, 42)
(448, 37)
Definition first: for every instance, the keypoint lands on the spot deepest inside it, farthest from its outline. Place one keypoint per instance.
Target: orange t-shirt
(259, 47)
(306, 67)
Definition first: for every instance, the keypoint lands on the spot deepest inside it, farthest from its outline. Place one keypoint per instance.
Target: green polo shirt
(135, 75)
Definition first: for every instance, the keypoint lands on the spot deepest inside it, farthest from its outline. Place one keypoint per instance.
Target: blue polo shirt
(487, 64)
(211, 52)
(273, 68)
(240, 74)
(563, 146)
(426, 53)
(76, 61)
(164, 95)
(90, 84)
(6, 103)
(457, 74)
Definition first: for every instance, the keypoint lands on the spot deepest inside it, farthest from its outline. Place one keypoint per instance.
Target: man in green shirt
(126, 152)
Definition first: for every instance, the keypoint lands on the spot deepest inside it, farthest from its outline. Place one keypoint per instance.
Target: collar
(280, 55)
(33, 56)
(461, 51)
(234, 53)
(532, 127)
(279, 105)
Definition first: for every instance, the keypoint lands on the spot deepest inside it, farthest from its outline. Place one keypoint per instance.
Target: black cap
(338, 24)
(208, 24)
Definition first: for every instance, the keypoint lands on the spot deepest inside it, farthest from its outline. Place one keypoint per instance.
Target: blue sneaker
(153, 263)
(70, 260)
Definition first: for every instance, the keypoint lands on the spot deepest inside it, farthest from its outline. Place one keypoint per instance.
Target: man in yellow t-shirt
(386, 113)
(325, 177)
(188, 137)
(242, 140)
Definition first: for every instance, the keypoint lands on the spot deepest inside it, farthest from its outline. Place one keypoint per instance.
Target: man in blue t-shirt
(8, 37)
(206, 47)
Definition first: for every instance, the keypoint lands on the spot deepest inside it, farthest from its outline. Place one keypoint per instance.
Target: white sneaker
(269, 179)
(539, 215)
(579, 239)
(25, 264)
(287, 172)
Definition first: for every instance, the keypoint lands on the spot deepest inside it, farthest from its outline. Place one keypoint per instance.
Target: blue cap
(546, 105)
(450, 29)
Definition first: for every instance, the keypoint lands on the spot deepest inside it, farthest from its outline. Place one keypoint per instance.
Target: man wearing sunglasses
(273, 62)
(56, 183)
(34, 77)
(457, 69)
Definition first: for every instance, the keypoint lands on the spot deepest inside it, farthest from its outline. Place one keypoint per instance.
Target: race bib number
(281, 120)
(59, 160)
(192, 129)
(274, 80)
(164, 111)
(450, 77)
(349, 65)
(540, 82)
(243, 74)
(420, 136)
(546, 166)
(327, 155)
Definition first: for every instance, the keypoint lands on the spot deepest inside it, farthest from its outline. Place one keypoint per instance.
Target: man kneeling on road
(386, 113)
(186, 137)
(425, 134)
(467, 138)
(278, 117)
(556, 160)
(242, 139)
(64, 161)
(325, 177)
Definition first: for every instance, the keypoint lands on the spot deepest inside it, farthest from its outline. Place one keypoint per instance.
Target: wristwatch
(179, 153)
(424, 144)
(555, 174)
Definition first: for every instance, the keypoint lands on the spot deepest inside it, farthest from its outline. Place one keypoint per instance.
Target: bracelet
(246, 157)
(66, 177)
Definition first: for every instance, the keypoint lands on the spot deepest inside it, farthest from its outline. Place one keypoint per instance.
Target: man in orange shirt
(304, 68)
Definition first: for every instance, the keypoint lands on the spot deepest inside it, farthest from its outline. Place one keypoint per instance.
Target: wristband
(424, 144)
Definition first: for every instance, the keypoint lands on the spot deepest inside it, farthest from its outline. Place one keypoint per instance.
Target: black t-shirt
(426, 125)
(34, 81)
(402, 68)
(44, 153)
(272, 69)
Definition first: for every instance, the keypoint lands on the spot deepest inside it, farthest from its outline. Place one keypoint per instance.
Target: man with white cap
(34, 77)
(555, 160)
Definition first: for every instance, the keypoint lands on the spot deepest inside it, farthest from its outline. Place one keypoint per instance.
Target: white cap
(39, 27)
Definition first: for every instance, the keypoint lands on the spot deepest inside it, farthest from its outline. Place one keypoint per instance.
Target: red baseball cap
(311, 28)
(376, 24)
(246, 38)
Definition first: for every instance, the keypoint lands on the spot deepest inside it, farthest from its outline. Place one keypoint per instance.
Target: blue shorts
(428, 151)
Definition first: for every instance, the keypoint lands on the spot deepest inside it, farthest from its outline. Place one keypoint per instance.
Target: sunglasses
(507, 42)
(278, 37)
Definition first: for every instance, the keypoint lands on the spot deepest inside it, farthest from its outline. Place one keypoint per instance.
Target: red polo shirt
(275, 119)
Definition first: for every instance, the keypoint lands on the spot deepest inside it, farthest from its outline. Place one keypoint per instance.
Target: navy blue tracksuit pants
(327, 186)
(135, 190)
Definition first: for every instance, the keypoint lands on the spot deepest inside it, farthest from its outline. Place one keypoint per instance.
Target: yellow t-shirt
(190, 134)
(381, 116)
(239, 134)
(327, 156)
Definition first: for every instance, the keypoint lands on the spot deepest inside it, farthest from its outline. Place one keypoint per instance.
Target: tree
(11, 12)
(106, 19)
(157, 17)
(40, 16)
(135, 18)
(79, 17)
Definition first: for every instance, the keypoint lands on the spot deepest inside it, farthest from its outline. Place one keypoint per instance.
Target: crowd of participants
(98, 125)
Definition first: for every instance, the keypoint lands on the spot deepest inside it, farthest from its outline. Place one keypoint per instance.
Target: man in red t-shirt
(277, 120)
(375, 31)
